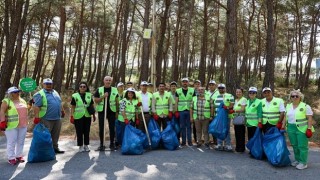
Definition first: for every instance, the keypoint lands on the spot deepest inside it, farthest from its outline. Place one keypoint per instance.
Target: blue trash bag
(120, 126)
(275, 147)
(175, 124)
(133, 141)
(154, 133)
(219, 127)
(255, 144)
(41, 148)
(169, 138)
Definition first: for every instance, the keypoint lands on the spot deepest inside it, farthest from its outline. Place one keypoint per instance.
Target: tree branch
(223, 6)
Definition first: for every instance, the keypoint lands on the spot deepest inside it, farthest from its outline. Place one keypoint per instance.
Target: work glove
(137, 122)
(176, 114)
(260, 125)
(279, 125)
(170, 115)
(139, 104)
(63, 114)
(3, 125)
(225, 107)
(231, 111)
(71, 120)
(126, 121)
(36, 120)
(309, 133)
(155, 117)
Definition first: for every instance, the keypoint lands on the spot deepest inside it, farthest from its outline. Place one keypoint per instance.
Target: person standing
(107, 95)
(184, 97)
(201, 110)
(145, 98)
(162, 106)
(253, 112)
(80, 116)
(272, 111)
(298, 120)
(240, 130)
(196, 85)
(48, 110)
(14, 121)
(212, 93)
(228, 101)
(120, 88)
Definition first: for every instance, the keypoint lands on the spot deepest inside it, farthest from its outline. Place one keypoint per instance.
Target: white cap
(212, 82)
(120, 84)
(197, 81)
(131, 90)
(266, 89)
(47, 81)
(150, 84)
(221, 86)
(173, 82)
(13, 89)
(253, 89)
(144, 83)
(185, 79)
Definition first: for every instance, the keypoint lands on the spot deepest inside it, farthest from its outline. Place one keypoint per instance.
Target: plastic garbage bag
(169, 138)
(41, 148)
(275, 147)
(219, 127)
(154, 132)
(175, 124)
(120, 126)
(133, 141)
(255, 144)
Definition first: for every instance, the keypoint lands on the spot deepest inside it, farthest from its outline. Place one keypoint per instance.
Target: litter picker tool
(145, 126)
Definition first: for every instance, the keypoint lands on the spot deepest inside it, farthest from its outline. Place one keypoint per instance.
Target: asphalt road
(185, 163)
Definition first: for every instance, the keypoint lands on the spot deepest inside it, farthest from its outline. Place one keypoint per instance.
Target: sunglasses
(48, 83)
(252, 93)
(266, 92)
(16, 92)
(220, 87)
(294, 96)
(83, 86)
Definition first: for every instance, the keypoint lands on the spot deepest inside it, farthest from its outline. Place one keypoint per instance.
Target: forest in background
(232, 41)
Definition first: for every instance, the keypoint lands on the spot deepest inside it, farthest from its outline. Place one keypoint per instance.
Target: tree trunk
(203, 57)
(144, 73)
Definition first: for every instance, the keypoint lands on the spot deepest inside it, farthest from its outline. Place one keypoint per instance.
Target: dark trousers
(111, 121)
(266, 127)
(194, 131)
(82, 126)
(162, 122)
(141, 125)
(240, 132)
(251, 131)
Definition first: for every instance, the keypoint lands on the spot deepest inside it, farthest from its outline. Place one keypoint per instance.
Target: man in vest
(201, 110)
(272, 110)
(184, 97)
(228, 101)
(48, 110)
(196, 85)
(173, 90)
(145, 98)
(120, 88)
(162, 106)
(212, 93)
(110, 94)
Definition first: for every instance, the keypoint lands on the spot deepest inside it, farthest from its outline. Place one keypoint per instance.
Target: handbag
(239, 120)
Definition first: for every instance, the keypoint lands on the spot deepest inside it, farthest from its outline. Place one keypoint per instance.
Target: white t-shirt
(291, 114)
(145, 102)
(281, 106)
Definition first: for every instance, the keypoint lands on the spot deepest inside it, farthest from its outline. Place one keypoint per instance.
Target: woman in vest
(80, 116)
(129, 106)
(253, 112)
(240, 130)
(14, 121)
(298, 119)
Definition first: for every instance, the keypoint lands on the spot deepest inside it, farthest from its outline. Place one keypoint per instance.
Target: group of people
(193, 107)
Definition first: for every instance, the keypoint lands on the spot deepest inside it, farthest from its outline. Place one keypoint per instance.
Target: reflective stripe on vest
(271, 114)
(252, 112)
(226, 99)
(184, 101)
(130, 110)
(81, 108)
(12, 113)
(112, 99)
(206, 111)
(139, 96)
(162, 103)
(300, 116)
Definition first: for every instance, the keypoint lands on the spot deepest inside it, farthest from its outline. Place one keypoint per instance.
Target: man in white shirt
(145, 98)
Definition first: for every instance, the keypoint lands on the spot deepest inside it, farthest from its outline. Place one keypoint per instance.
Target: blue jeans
(227, 141)
(185, 126)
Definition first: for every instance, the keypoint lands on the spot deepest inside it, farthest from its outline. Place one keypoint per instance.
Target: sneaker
(101, 148)
(58, 151)
(112, 147)
(20, 159)
(12, 162)
(207, 146)
(218, 147)
(229, 148)
(86, 148)
(294, 163)
(301, 166)
(190, 144)
(198, 145)
(81, 149)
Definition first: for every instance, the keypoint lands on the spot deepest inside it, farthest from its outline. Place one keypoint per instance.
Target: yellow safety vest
(81, 108)
(43, 108)
(252, 118)
(301, 117)
(206, 107)
(12, 113)
(184, 101)
(162, 104)
(130, 110)
(271, 114)
(112, 99)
